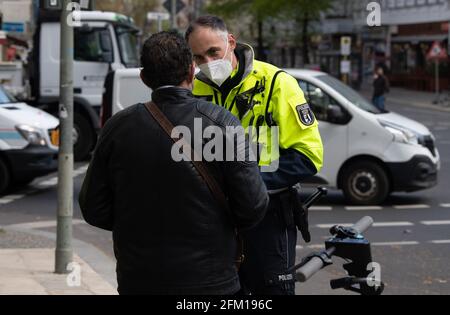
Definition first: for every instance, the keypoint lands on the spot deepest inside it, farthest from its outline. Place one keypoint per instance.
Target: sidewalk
(30, 272)
(27, 260)
(399, 96)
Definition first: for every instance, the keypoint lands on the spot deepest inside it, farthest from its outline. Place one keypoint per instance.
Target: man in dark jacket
(171, 236)
(380, 88)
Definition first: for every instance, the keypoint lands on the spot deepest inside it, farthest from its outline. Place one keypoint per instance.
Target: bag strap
(212, 184)
(168, 127)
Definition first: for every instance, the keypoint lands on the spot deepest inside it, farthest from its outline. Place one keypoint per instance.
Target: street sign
(345, 67)
(179, 6)
(15, 27)
(346, 46)
(437, 52)
(155, 16)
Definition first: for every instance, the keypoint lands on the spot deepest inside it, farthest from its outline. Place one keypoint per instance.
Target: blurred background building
(291, 33)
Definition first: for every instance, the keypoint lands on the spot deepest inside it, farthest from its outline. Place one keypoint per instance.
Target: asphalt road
(411, 240)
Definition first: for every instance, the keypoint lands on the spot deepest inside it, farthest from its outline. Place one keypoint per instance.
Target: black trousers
(270, 250)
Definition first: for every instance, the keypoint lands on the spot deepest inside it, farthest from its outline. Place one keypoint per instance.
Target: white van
(28, 142)
(368, 154)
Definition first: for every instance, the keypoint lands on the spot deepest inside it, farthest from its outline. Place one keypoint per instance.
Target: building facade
(408, 30)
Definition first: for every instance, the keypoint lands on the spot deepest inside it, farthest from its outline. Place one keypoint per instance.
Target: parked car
(28, 142)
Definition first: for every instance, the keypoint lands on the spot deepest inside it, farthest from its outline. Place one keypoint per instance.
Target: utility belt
(292, 210)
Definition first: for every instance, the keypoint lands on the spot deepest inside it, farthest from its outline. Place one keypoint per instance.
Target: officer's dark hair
(166, 59)
(209, 21)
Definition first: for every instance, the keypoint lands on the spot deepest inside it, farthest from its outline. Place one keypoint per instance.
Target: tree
(302, 12)
(257, 10)
(137, 9)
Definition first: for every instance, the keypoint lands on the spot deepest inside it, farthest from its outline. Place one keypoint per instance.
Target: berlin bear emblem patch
(306, 115)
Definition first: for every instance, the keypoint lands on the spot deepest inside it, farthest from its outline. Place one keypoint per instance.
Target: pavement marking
(53, 181)
(14, 197)
(321, 208)
(440, 242)
(41, 224)
(440, 128)
(392, 224)
(377, 224)
(313, 247)
(329, 226)
(363, 208)
(432, 223)
(410, 207)
(382, 244)
(47, 183)
(445, 205)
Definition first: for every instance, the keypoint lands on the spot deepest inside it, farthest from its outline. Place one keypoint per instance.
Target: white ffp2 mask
(218, 71)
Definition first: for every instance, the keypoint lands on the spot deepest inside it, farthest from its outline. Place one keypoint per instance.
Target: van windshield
(6, 97)
(351, 95)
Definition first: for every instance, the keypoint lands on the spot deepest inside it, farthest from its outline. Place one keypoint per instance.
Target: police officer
(264, 98)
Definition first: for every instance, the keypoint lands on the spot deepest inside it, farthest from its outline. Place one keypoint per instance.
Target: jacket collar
(171, 94)
(249, 55)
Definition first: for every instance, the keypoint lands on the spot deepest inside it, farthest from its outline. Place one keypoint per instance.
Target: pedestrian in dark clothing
(380, 88)
(171, 235)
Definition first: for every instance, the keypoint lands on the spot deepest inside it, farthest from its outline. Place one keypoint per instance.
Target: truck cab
(104, 42)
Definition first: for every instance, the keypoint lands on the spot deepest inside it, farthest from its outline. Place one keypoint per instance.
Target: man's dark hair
(209, 21)
(166, 59)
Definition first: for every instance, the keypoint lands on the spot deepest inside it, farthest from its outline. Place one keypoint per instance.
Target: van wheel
(83, 138)
(5, 177)
(365, 183)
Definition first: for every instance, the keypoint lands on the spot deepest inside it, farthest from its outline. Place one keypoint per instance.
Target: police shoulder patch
(305, 114)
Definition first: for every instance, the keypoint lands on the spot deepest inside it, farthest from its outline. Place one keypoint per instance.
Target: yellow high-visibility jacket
(266, 97)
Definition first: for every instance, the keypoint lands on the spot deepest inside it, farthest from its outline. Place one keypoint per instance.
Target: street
(410, 239)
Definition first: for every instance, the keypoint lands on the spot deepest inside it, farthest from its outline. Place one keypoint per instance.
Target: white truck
(369, 154)
(104, 42)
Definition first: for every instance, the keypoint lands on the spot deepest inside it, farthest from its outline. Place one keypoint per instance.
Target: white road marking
(432, 223)
(377, 224)
(14, 197)
(5, 201)
(41, 224)
(445, 205)
(381, 244)
(376, 244)
(49, 182)
(363, 208)
(440, 242)
(313, 247)
(392, 224)
(329, 226)
(321, 208)
(410, 207)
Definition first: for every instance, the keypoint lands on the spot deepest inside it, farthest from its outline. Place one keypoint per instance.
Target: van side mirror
(336, 115)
